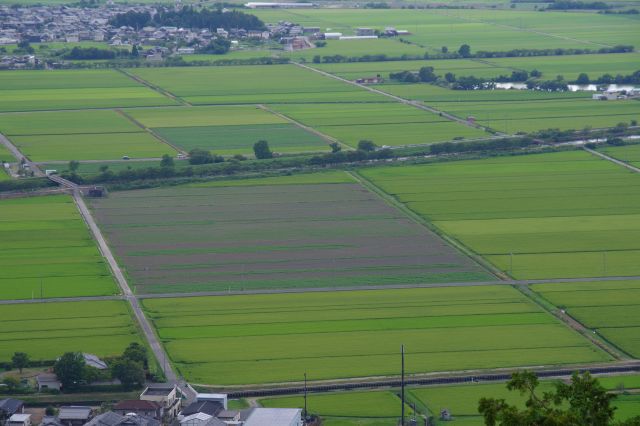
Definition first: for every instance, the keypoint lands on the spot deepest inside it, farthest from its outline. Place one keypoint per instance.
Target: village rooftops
(162, 390)
(136, 404)
(11, 406)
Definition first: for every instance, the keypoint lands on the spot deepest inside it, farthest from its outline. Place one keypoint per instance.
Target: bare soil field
(316, 235)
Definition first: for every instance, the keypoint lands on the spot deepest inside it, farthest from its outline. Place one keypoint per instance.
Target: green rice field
(73, 89)
(47, 251)
(557, 215)
(47, 330)
(371, 408)
(80, 135)
(383, 123)
(609, 308)
(277, 84)
(629, 153)
(227, 129)
(513, 111)
(460, 67)
(475, 327)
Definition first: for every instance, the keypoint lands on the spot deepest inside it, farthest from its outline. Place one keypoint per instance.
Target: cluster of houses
(612, 95)
(158, 405)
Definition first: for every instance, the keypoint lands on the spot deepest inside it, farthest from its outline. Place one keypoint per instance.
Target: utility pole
(305, 397)
(402, 383)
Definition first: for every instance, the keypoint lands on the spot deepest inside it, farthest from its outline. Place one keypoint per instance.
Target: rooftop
(19, 418)
(272, 416)
(74, 412)
(163, 390)
(136, 404)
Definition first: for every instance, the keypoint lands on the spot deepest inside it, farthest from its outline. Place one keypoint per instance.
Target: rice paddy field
(609, 308)
(80, 135)
(277, 84)
(227, 129)
(359, 333)
(556, 215)
(629, 153)
(370, 408)
(460, 67)
(47, 330)
(73, 89)
(205, 237)
(513, 111)
(485, 29)
(382, 407)
(383, 123)
(47, 251)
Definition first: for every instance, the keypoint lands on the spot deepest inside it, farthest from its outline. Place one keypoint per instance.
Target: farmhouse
(166, 396)
(95, 362)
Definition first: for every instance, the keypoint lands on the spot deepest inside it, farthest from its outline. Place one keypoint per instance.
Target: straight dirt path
(409, 102)
(144, 324)
(613, 160)
(155, 88)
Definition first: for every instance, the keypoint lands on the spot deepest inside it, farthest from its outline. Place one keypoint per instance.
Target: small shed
(19, 420)
(74, 415)
(48, 382)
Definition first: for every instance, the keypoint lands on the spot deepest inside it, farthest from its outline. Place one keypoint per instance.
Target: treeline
(634, 78)
(94, 53)
(479, 146)
(515, 53)
(577, 5)
(189, 17)
(172, 61)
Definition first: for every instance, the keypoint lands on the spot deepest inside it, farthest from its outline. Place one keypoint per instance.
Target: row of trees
(464, 51)
(94, 53)
(189, 17)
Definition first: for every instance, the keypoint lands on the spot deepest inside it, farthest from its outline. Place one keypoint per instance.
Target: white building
(19, 420)
(274, 417)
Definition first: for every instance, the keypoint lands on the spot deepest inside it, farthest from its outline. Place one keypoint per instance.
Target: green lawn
(610, 308)
(73, 89)
(47, 251)
(475, 327)
(538, 216)
(47, 330)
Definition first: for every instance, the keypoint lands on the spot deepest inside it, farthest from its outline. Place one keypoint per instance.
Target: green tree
(129, 372)
(365, 145)
(200, 156)
(582, 402)
(444, 49)
(20, 360)
(138, 353)
(167, 161)
(583, 78)
(464, 51)
(427, 75)
(70, 369)
(135, 52)
(11, 382)
(335, 147)
(73, 166)
(261, 150)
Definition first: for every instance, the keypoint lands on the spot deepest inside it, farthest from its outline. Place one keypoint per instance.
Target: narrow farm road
(19, 156)
(143, 322)
(613, 160)
(155, 88)
(414, 104)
